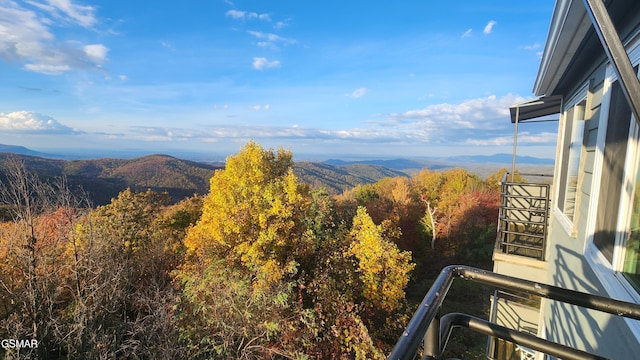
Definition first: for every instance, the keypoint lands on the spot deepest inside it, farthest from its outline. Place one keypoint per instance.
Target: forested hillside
(337, 179)
(261, 266)
(103, 179)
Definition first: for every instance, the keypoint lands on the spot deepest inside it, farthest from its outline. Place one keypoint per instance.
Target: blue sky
(379, 79)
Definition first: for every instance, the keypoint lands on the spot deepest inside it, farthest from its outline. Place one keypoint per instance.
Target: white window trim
(611, 280)
(576, 98)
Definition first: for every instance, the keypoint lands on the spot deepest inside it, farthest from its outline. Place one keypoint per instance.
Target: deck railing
(523, 218)
(428, 327)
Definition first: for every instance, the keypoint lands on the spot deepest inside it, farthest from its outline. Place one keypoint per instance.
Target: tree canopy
(262, 266)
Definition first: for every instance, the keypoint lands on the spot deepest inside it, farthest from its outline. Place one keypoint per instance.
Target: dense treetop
(260, 266)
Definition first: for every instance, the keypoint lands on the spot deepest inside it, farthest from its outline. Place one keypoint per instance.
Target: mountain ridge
(436, 163)
(104, 178)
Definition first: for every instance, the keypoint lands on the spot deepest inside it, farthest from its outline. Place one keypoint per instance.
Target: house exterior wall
(588, 330)
(570, 242)
(589, 247)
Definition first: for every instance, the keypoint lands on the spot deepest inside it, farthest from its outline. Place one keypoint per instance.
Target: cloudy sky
(410, 78)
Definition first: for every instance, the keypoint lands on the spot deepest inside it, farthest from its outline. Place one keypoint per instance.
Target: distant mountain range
(500, 159)
(396, 164)
(104, 178)
(445, 162)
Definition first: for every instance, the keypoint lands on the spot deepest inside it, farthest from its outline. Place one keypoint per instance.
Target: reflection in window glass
(573, 166)
(631, 268)
(613, 158)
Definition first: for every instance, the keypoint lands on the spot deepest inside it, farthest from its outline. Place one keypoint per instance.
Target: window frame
(609, 273)
(626, 206)
(568, 223)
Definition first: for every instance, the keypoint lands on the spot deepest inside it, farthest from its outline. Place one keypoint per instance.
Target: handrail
(426, 316)
(449, 321)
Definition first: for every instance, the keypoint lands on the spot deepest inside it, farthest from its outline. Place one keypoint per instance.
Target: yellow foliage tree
(383, 268)
(494, 180)
(254, 215)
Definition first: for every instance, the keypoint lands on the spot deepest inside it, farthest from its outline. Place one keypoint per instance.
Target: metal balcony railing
(523, 218)
(429, 328)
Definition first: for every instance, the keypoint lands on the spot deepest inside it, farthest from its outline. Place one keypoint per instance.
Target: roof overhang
(536, 108)
(569, 26)
(571, 23)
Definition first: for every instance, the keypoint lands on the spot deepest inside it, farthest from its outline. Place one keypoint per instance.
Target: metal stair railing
(523, 218)
(428, 327)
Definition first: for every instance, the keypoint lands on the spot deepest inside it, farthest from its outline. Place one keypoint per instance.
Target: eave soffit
(569, 26)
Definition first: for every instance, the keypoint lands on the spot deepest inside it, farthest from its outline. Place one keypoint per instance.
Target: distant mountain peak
(21, 150)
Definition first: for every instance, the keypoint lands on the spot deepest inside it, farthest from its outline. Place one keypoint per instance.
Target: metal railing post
(432, 339)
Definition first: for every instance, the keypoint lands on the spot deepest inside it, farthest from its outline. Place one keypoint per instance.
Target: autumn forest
(262, 266)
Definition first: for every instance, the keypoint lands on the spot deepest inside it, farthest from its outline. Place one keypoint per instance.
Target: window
(571, 155)
(631, 258)
(612, 180)
(613, 221)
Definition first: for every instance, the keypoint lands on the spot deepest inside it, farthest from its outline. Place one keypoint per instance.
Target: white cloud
(260, 107)
(532, 47)
(473, 112)
(31, 122)
(271, 39)
(489, 27)
(47, 69)
(474, 122)
(123, 77)
(358, 93)
(153, 133)
(260, 63)
(26, 37)
(467, 33)
(282, 23)
(167, 45)
(235, 14)
(22, 33)
(260, 132)
(536, 48)
(465, 126)
(453, 123)
(243, 15)
(96, 52)
(67, 11)
(524, 138)
(263, 17)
